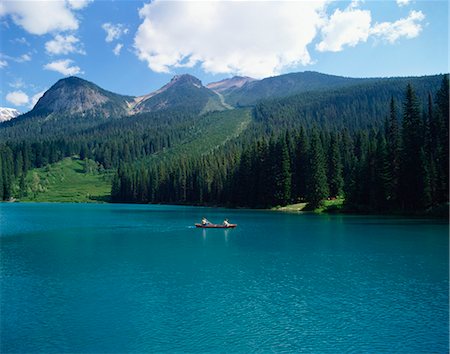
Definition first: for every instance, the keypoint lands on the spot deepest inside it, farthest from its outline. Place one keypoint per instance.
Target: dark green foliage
(335, 177)
(317, 186)
(286, 85)
(411, 180)
(441, 148)
(393, 154)
(300, 167)
(282, 173)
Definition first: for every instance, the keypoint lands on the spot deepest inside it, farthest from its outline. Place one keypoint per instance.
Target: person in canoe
(226, 223)
(205, 221)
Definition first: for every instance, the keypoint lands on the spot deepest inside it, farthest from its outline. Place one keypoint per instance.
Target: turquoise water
(138, 278)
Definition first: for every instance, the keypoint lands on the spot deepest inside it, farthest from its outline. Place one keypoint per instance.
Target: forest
(305, 148)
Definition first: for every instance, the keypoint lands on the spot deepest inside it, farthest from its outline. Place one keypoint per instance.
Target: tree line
(295, 150)
(400, 165)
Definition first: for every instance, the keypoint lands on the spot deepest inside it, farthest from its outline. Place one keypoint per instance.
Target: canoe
(216, 226)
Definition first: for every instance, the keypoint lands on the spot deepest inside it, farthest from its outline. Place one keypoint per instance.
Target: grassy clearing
(67, 181)
(215, 130)
(328, 206)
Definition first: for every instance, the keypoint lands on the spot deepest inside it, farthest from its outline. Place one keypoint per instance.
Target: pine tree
(430, 150)
(382, 185)
(282, 195)
(317, 187)
(411, 171)
(1, 177)
(300, 168)
(442, 144)
(335, 179)
(393, 152)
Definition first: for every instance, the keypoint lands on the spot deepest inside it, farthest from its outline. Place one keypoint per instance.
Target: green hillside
(69, 180)
(213, 131)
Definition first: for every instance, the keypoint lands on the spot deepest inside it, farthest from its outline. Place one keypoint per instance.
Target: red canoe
(216, 226)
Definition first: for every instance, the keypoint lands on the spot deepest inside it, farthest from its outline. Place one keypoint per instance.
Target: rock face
(8, 114)
(229, 84)
(73, 95)
(183, 91)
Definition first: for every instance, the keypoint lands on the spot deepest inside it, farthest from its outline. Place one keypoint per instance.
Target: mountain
(73, 105)
(227, 85)
(8, 114)
(285, 85)
(75, 96)
(182, 92)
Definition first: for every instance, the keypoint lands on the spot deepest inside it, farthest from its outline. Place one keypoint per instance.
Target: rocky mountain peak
(227, 84)
(185, 79)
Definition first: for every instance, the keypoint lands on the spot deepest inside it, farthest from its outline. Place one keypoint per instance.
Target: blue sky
(135, 47)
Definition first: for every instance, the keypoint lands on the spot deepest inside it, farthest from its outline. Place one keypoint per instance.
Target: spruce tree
(1, 176)
(382, 185)
(411, 170)
(442, 145)
(317, 187)
(393, 153)
(300, 166)
(282, 195)
(335, 179)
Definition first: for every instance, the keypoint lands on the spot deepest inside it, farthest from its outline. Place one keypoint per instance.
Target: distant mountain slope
(213, 131)
(286, 85)
(8, 114)
(234, 83)
(75, 96)
(74, 105)
(354, 107)
(182, 92)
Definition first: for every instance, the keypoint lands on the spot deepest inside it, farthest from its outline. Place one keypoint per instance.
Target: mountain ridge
(87, 97)
(73, 104)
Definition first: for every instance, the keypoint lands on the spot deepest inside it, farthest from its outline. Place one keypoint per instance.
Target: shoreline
(441, 212)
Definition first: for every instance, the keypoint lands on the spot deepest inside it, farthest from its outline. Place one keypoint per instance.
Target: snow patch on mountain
(8, 114)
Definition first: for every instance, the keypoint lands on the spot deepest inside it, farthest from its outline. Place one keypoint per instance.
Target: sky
(135, 47)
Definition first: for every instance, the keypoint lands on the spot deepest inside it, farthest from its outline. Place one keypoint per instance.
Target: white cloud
(20, 40)
(403, 2)
(64, 67)
(36, 98)
(17, 98)
(114, 31)
(64, 45)
(227, 37)
(252, 39)
(3, 63)
(345, 28)
(23, 58)
(41, 17)
(17, 83)
(117, 49)
(78, 4)
(408, 27)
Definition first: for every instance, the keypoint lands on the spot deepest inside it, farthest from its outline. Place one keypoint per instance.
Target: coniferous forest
(304, 148)
(400, 165)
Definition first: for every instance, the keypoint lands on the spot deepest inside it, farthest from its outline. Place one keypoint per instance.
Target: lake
(139, 278)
